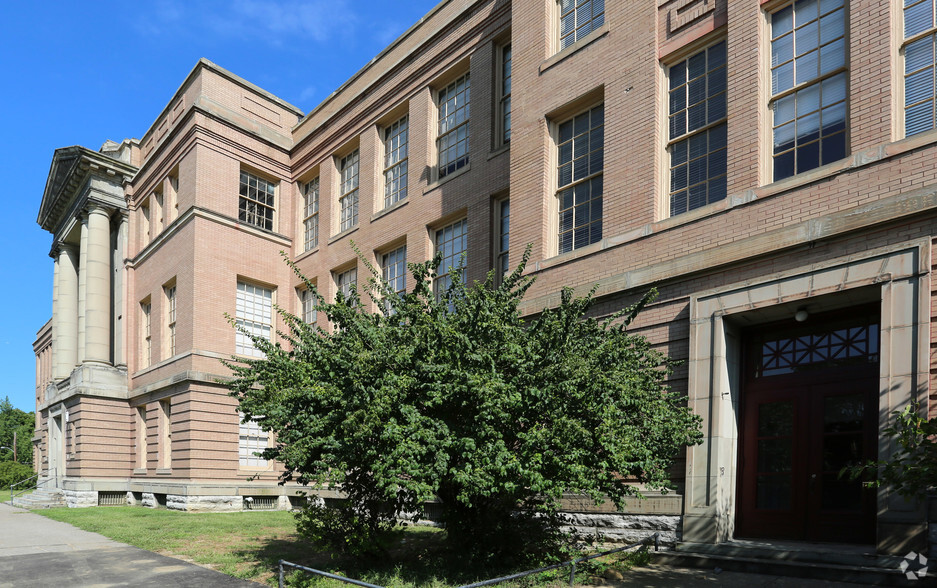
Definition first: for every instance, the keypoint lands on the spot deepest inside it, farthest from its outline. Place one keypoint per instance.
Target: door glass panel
(773, 492)
(774, 455)
(775, 419)
(840, 451)
(841, 493)
(843, 413)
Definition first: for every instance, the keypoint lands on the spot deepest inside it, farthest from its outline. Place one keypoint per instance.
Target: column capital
(95, 208)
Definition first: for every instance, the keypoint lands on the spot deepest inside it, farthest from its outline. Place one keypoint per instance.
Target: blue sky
(79, 73)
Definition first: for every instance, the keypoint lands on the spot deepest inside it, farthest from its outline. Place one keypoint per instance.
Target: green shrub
(11, 473)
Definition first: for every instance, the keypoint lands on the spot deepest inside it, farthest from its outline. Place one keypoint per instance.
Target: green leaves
(464, 400)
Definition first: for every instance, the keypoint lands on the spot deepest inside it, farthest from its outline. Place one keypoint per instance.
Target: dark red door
(809, 407)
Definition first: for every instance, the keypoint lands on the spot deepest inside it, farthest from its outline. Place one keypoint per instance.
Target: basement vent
(112, 498)
(298, 501)
(432, 511)
(260, 503)
(160, 500)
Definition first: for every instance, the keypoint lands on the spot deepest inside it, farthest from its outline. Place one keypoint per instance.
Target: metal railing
(30, 479)
(572, 563)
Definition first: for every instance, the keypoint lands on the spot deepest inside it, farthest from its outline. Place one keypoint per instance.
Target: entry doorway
(809, 407)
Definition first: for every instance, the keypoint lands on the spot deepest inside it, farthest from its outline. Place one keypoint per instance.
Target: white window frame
(251, 441)
(394, 270)
(348, 170)
(257, 201)
(396, 144)
(573, 24)
(918, 43)
(576, 187)
(254, 313)
(685, 135)
(504, 94)
(146, 333)
(452, 242)
(502, 231)
(453, 104)
(170, 292)
(789, 98)
(344, 282)
(307, 304)
(311, 214)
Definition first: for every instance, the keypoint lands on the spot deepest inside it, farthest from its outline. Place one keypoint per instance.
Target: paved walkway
(37, 551)
(660, 576)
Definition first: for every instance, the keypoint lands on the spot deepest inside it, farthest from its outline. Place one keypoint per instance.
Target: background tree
(14, 420)
(461, 399)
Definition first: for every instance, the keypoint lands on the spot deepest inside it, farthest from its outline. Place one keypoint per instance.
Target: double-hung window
(394, 270)
(256, 201)
(170, 320)
(808, 85)
(920, 39)
(308, 301)
(505, 102)
(348, 192)
(146, 348)
(452, 141)
(581, 152)
(253, 313)
(697, 98)
(311, 215)
(395, 162)
(252, 440)
(346, 283)
(503, 226)
(578, 18)
(451, 242)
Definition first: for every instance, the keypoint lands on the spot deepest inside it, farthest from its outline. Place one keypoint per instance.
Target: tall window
(453, 135)
(395, 162)
(146, 348)
(348, 192)
(140, 423)
(808, 85)
(451, 242)
(581, 146)
(345, 282)
(254, 313)
(255, 206)
(311, 215)
(505, 103)
(251, 441)
(164, 446)
(578, 18)
(170, 320)
(308, 301)
(920, 39)
(503, 223)
(698, 130)
(394, 269)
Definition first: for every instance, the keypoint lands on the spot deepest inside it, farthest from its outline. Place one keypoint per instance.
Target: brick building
(769, 167)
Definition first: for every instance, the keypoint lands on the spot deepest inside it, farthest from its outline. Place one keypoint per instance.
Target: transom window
(346, 282)
(348, 192)
(451, 242)
(578, 18)
(506, 94)
(808, 84)
(697, 124)
(453, 135)
(920, 40)
(311, 215)
(251, 441)
(253, 313)
(256, 202)
(395, 162)
(581, 147)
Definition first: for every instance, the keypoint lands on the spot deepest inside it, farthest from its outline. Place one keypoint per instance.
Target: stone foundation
(625, 528)
(81, 498)
(204, 503)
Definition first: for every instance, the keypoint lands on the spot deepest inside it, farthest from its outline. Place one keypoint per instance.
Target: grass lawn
(5, 495)
(249, 544)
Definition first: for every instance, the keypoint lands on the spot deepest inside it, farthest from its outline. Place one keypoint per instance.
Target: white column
(82, 285)
(67, 312)
(56, 314)
(120, 284)
(98, 287)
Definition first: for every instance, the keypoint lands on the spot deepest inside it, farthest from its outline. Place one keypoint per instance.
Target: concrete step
(842, 563)
(41, 498)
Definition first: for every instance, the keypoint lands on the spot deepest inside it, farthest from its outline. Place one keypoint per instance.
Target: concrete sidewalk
(37, 551)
